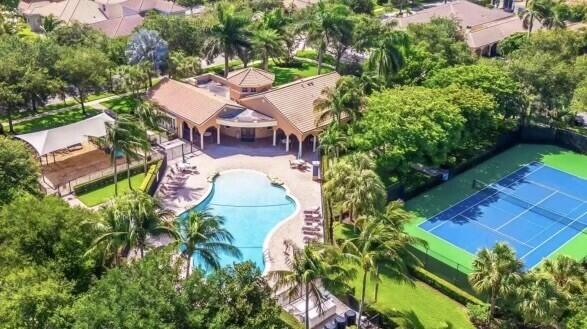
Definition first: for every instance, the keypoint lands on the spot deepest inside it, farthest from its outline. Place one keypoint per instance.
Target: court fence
(445, 267)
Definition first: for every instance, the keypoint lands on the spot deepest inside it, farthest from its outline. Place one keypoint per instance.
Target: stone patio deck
(259, 156)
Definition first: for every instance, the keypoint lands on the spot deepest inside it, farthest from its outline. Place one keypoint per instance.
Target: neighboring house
(113, 17)
(483, 27)
(243, 107)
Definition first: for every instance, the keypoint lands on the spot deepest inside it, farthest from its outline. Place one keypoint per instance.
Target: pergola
(49, 141)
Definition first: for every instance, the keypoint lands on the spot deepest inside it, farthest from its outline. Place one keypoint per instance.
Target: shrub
(313, 55)
(478, 314)
(150, 176)
(446, 287)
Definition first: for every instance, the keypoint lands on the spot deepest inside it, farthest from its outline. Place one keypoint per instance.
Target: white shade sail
(51, 140)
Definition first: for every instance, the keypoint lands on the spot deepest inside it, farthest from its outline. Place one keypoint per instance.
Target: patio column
(274, 136)
(314, 143)
(300, 149)
(202, 140)
(287, 143)
(191, 134)
(218, 135)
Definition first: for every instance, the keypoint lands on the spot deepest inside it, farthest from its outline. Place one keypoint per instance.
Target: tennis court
(536, 209)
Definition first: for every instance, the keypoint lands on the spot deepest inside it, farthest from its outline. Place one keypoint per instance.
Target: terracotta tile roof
(482, 26)
(465, 12)
(250, 77)
(486, 34)
(113, 17)
(187, 101)
(295, 101)
(119, 27)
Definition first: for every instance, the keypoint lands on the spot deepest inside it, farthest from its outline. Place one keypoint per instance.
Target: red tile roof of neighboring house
(113, 17)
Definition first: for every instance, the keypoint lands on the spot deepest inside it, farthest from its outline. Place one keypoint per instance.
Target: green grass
(53, 107)
(421, 306)
(289, 321)
(437, 199)
(103, 194)
(305, 69)
(122, 105)
(52, 121)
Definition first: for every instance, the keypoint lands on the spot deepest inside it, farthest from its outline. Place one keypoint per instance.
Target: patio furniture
(340, 322)
(351, 317)
(312, 210)
(292, 165)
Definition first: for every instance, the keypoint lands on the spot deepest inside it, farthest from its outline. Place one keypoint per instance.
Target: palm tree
(540, 302)
(308, 270)
(322, 23)
(50, 23)
(182, 66)
(147, 46)
(375, 245)
(115, 231)
(202, 235)
(268, 43)
(117, 135)
(149, 119)
(388, 57)
(146, 216)
(344, 100)
(353, 185)
(229, 34)
(568, 275)
(333, 142)
(495, 271)
(543, 11)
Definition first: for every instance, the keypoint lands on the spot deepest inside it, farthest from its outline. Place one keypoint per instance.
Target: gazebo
(49, 141)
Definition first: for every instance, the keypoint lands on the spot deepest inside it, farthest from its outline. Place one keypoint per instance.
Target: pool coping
(272, 232)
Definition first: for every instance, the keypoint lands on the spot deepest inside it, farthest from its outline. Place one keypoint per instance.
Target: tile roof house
(483, 27)
(200, 106)
(113, 17)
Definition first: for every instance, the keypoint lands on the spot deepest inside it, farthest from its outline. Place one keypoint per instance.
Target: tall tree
(267, 43)
(118, 135)
(202, 236)
(182, 66)
(543, 11)
(323, 22)
(496, 272)
(84, 70)
(375, 245)
(387, 58)
(309, 269)
(19, 171)
(345, 100)
(229, 34)
(146, 46)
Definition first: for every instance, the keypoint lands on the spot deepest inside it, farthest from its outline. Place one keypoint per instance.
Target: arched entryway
(293, 144)
(186, 131)
(311, 143)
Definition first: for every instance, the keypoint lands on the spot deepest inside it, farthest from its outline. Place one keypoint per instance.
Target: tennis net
(575, 224)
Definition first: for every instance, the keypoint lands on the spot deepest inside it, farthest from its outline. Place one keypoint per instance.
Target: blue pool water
(251, 207)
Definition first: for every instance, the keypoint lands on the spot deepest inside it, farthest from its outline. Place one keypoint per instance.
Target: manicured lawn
(302, 70)
(52, 121)
(420, 305)
(105, 193)
(53, 107)
(122, 105)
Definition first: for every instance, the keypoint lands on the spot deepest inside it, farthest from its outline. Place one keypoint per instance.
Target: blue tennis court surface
(535, 209)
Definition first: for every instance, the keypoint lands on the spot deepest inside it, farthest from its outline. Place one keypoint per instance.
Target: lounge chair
(293, 165)
(315, 210)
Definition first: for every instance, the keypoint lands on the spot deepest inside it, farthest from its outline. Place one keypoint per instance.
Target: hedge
(150, 176)
(106, 180)
(445, 287)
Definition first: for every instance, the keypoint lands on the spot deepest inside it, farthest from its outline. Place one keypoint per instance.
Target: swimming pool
(251, 207)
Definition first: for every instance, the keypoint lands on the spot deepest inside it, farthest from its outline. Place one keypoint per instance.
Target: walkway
(260, 156)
